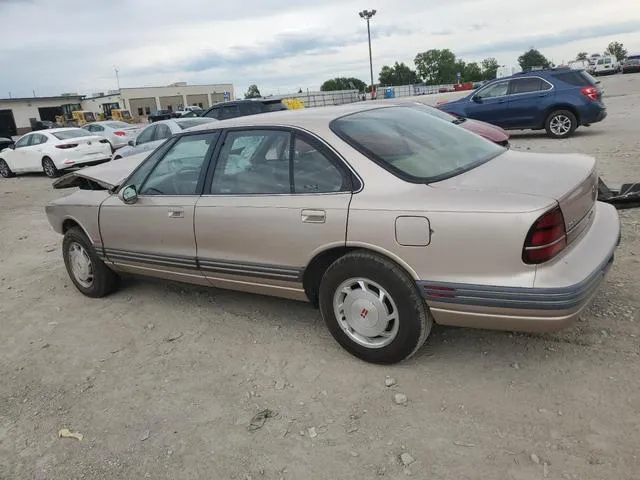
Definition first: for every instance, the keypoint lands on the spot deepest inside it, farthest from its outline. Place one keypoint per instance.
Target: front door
(23, 157)
(490, 104)
(154, 236)
(267, 209)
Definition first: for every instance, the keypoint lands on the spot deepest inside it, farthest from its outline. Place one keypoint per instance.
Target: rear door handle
(314, 216)
(176, 213)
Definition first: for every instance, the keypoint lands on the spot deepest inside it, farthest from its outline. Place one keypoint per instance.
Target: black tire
(5, 171)
(105, 280)
(561, 124)
(49, 168)
(414, 319)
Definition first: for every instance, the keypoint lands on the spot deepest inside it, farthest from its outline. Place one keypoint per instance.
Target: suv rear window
(414, 145)
(577, 78)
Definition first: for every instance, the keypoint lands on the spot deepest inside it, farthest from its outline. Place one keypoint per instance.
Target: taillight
(590, 92)
(120, 133)
(104, 140)
(67, 145)
(546, 238)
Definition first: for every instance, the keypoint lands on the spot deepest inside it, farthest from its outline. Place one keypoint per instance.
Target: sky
(50, 47)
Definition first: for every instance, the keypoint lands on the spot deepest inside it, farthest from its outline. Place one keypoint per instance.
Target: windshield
(436, 112)
(72, 133)
(192, 122)
(414, 145)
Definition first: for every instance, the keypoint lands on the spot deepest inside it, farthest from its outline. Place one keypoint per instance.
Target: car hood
(106, 175)
(491, 132)
(570, 179)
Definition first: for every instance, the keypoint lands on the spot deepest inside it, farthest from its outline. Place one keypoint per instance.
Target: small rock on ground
(400, 399)
(390, 381)
(406, 459)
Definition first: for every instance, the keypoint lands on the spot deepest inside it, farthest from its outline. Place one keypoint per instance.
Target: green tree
(436, 66)
(343, 83)
(533, 59)
(472, 73)
(253, 92)
(398, 74)
(489, 68)
(617, 50)
(582, 56)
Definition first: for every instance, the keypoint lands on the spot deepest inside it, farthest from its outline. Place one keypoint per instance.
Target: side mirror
(131, 143)
(477, 98)
(12, 146)
(128, 194)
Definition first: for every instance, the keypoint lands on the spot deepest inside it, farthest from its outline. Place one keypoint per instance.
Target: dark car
(631, 65)
(242, 108)
(490, 132)
(558, 100)
(5, 143)
(160, 115)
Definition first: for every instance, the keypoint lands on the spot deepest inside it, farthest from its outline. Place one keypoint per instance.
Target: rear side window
(213, 113)
(527, 85)
(250, 108)
(576, 78)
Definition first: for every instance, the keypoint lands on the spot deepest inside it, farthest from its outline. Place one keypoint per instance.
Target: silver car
(152, 136)
(387, 218)
(118, 133)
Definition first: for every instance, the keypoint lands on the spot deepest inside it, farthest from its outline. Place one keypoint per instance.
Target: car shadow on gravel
(540, 134)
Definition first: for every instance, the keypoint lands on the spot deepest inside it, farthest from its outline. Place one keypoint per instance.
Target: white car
(52, 150)
(156, 133)
(118, 133)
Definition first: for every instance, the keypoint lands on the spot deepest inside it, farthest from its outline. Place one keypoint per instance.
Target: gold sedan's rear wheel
(373, 308)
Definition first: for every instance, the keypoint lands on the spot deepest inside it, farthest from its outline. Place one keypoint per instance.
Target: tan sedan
(385, 217)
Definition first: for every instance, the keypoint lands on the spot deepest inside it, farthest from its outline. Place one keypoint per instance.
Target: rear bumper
(560, 293)
(81, 163)
(593, 113)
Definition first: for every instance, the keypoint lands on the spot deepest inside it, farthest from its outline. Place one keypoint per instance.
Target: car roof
(55, 130)
(303, 117)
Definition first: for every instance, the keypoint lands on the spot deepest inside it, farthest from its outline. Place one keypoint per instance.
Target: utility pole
(117, 77)
(367, 15)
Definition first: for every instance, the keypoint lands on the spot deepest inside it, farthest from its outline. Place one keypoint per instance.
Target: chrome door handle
(314, 216)
(176, 213)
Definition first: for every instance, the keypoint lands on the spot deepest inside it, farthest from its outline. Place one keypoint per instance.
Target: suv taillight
(546, 238)
(590, 92)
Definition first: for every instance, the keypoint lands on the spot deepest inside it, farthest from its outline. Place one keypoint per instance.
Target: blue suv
(558, 100)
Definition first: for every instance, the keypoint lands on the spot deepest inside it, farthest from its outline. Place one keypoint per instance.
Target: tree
(489, 68)
(399, 74)
(582, 56)
(343, 83)
(472, 72)
(533, 59)
(300, 90)
(253, 92)
(617, 50)
(436, 66)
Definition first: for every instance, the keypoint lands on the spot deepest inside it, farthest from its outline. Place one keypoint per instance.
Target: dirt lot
(163, 380)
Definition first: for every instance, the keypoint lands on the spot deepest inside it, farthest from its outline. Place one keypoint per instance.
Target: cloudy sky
(72, 45)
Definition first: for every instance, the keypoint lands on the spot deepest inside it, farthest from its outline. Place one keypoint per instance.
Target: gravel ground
(163, 380)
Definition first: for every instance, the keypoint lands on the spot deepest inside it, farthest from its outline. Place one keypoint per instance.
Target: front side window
(23, 142)
(414, 145)
(213, 113)
(253, 162)
(492, 91)
(162, 132)
(178, 172)
(146, 135)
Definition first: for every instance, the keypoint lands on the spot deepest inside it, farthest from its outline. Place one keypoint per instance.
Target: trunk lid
(107, 175)
(570, 179)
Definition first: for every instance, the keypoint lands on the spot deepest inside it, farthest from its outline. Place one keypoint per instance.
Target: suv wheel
(373, 308)
(49, 167)
(561, 124)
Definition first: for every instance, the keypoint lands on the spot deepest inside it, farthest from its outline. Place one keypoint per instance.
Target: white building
(16, 113)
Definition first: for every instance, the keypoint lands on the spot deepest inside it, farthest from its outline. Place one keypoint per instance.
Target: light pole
(367, 14)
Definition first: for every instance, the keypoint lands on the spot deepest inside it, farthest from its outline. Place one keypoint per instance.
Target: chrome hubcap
(4, 169)
(48, 168)
(366, 312)
(81, 266)
(560, 124)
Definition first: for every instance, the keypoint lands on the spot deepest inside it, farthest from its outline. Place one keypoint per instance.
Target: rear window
(117, 125)
(274, 106)
(192, 122)
(73, 133)
(414, 145)
(578, 78)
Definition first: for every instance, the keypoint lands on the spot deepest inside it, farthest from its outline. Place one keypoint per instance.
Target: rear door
(275, 199)
(529, 98)
(490, 104)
